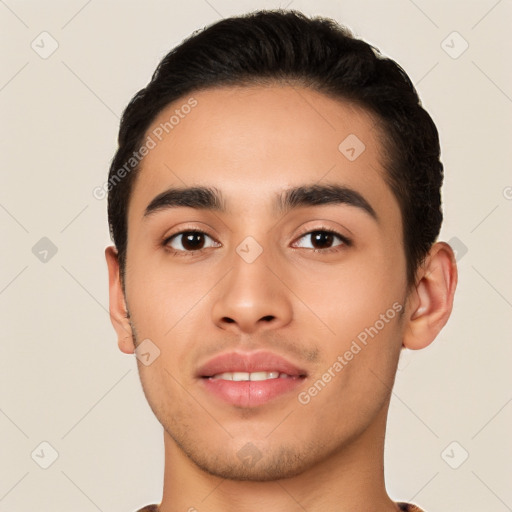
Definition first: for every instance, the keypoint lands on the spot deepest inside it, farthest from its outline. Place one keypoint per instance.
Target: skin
(253, 143)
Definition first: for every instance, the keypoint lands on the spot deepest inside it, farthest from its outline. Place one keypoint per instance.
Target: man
(275, 204)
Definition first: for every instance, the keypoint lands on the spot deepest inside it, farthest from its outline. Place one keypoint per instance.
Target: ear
(430, 302)
(117, 303)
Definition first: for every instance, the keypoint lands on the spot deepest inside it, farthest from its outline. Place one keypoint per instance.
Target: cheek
(350, 297)
(160, 296)
(167, 307)
(361, 307)
(356, 378)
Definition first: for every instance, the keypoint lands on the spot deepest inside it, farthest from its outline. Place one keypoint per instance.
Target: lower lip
(251, 393)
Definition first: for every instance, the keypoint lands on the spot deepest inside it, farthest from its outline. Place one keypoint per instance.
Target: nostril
(268, 318)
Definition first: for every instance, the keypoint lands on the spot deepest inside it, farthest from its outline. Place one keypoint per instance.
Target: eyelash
(345, 241)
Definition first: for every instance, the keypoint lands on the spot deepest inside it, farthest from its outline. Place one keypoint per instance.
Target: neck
(352, 479)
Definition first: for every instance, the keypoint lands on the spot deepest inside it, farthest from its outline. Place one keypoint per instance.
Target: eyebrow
(210, 198)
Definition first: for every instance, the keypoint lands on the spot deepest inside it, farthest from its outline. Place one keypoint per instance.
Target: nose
(252, 298)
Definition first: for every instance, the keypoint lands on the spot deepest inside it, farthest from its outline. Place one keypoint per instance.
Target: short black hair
(278, 47)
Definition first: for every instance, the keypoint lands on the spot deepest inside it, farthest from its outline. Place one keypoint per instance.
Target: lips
(250, 380)
(253, 362)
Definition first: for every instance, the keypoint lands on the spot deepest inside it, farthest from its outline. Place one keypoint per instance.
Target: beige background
(62, 379)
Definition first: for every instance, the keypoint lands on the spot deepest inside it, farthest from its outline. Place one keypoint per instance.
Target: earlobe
(430, 302)
(117, 304)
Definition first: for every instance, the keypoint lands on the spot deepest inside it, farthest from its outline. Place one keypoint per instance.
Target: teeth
(261, 376)
(244, 376)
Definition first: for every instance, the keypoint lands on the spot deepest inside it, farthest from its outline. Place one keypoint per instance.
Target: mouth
(251, 379)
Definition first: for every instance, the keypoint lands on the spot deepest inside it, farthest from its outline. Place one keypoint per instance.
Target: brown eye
(323, 240)
(189, 241)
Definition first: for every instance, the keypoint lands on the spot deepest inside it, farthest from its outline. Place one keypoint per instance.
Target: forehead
(251, 142)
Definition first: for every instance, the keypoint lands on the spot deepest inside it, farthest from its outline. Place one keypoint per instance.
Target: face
(317, 279)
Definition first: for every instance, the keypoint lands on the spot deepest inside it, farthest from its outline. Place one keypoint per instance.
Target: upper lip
(249, 362)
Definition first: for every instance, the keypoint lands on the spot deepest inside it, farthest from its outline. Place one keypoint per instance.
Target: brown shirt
(404, 507)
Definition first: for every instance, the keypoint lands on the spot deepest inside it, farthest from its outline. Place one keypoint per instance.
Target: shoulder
(407, 507)
(149, 508)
